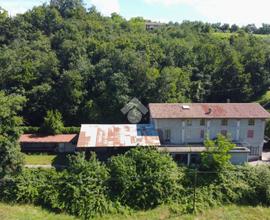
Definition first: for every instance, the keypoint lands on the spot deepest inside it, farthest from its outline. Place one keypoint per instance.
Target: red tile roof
(208, 110)
(35, 138)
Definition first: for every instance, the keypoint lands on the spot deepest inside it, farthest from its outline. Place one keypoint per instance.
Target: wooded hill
(65, 57)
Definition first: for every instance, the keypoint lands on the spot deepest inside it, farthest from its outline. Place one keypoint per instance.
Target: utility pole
(194, 189)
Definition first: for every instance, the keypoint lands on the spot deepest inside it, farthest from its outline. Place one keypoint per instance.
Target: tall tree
(11, 159)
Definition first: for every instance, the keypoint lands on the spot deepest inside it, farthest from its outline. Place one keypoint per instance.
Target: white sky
(241, 12)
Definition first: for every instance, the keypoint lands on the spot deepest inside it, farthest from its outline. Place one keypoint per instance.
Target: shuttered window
(250, 134)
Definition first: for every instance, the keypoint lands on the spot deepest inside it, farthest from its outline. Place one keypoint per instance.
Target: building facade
(190, 124)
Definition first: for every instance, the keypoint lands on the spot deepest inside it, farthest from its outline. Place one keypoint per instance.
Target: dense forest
(64, 57)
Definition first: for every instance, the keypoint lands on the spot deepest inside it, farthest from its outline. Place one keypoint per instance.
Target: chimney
(209, 111)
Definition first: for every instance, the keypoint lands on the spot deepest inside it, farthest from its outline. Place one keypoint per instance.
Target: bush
(52, 123)
(143, 178)
(81, 189)
(30, 129)
(71, 130)
(27, 187)
(216, 156)
(258, 179)
(35, 130)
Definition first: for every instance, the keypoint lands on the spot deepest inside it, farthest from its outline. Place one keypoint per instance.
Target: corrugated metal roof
(36, 138)
(208, 110)
(118, 135)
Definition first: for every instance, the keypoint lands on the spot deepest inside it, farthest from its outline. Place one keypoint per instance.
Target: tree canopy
(87, 66)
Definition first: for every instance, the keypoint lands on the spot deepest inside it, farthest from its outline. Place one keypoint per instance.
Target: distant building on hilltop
(149, 25)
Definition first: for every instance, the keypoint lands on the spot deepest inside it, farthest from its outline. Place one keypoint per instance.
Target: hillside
(88, 66)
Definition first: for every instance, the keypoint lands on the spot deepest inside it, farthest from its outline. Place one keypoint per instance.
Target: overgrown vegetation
(142, 178)
(11, 159)
(61, 56)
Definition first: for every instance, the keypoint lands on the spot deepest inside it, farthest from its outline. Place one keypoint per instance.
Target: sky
(241, 12)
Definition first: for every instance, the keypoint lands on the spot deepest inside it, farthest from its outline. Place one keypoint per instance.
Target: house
(48, 143)
(179, 129)
(107, 140)
(153, 25)
(183, 127)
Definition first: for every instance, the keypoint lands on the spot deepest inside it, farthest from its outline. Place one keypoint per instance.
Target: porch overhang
(196, 149)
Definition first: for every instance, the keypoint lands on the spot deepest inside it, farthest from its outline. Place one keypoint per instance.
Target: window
(224, 133)
(224, 122)
(202, 134)
(189, 122)
(202, 122)
(251, 122)
(167, 135)
(250, 134)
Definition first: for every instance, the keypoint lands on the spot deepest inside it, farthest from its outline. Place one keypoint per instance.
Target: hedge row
(35, 130)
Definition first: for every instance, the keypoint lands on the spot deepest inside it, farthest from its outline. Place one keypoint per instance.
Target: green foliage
(64, 130)
(216, 156)
(81, 189)
(30, 129)
(62, 56)
(11, 159)
(143, 178)
(71, 130)
(52, 123)
(26, 187)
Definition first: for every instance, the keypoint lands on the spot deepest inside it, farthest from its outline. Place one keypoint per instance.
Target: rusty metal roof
(36, 138)
(207, 110)
(117, 135)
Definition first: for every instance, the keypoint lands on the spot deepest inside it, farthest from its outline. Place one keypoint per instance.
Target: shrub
(26, 187)
(258, 179)
(52, 123)
(30, 129)
(217, 154)
(143, 178)
(81, 189)
(71, 130)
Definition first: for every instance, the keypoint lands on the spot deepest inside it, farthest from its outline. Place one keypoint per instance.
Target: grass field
(226, 36)
(224, 213)
(44, 159)
(27, 212)
(34, 159)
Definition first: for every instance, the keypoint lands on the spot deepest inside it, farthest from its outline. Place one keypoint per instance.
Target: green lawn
(27, 212)
(44, 159)
(34, 159)
(233, 212)
(224, 213)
